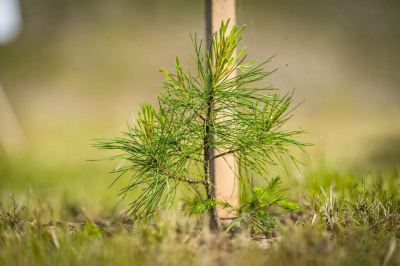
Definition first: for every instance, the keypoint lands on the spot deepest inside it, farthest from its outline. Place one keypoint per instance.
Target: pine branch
(182, 179)
(224, 154)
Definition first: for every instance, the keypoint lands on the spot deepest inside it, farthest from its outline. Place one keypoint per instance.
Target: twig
(229, 218)
(224, 153)
(183, 179)
(384, 220)
(197, 191)
(15, 203)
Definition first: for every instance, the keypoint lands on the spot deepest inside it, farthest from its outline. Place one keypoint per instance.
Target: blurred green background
(79, 69)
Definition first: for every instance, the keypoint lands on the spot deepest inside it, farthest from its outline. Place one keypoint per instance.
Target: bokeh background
(79, 70)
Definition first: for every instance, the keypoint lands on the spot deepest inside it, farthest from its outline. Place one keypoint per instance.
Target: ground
(340, 225)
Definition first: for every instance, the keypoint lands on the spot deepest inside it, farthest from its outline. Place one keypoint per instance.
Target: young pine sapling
(170, 144)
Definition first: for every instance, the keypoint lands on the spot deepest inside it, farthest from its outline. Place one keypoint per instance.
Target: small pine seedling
(169, 146)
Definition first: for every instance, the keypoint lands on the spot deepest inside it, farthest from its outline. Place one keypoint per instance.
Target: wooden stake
(222, 169)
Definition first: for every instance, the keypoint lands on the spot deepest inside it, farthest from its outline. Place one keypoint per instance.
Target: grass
(340, 223)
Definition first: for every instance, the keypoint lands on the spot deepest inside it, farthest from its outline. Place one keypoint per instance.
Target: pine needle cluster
(209, 109)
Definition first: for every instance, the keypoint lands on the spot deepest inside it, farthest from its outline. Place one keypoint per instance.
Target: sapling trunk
(209, 189)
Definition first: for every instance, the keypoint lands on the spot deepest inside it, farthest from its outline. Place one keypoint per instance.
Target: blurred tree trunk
(12, 138)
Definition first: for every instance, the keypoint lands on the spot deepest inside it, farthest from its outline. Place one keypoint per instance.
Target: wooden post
(222, 169)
